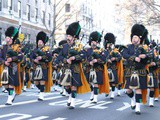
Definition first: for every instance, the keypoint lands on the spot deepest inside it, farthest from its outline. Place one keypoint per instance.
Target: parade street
(26, 107)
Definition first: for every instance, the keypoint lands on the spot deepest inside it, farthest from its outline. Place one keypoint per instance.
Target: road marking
(39, 118)
(84, 104)
(7, 115)
(100, 105)
(30, 101)
(21, 116)
(60, 118)
(62, 102)
(126, 105)
(87, 104)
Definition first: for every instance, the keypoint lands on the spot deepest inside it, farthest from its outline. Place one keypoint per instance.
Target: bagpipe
(113, 53)
(42, 52)
(38, 75)
(73, 51)
(14, 51)
(76, 49)
(134, 79)
(96, 54)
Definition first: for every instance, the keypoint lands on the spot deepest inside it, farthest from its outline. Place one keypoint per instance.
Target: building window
(49, 19)
(28, 12)
(0, 5)
(49, 2)
(36, 14)
(19, 8)
(36, 2)
(67, 7)
(43, 17)
(9, 4)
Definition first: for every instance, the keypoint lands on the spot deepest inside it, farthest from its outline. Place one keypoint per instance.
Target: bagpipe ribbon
(85, 88)
(120, 72)
(18, 89)
(1, 69)
(49, 82)
(104, 88)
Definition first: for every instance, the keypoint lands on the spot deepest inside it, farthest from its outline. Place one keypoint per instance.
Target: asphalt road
(26, 107)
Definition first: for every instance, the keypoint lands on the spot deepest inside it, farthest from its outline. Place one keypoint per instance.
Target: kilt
(27, 76)
(45, 75)
(142, 78)
(115, 77)
(87, 77)
(155, 76)
(76, 79)
(13, 78)
(99, 77)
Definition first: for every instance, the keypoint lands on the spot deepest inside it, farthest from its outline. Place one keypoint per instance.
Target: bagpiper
(42, 65)
(72, 56)
(152, 77)
(57, 72)
(26, 68)
(114, 63)
(11, 58)
(96, 68)
(135, 73)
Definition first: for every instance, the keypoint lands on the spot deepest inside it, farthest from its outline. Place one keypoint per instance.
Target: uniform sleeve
(81, 56)
(127, 56)
(60, 58)
(47, 57)
(33, 56)
(103, 57)
(119, 57)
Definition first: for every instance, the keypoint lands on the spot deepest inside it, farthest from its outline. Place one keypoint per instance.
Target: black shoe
(118, 95)
(8, 104)
(63, 95)
(111, 98)
(71, 107)
(40, 99)
(24, 91)
(156, 100)
(133, 107)
(5, 91)
(138, 113)
(106, 95)
(68, 104)
(151, 106)
(94, 102)
(91, 99)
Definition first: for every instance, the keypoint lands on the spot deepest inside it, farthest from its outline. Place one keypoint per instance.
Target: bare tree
(141, 11)
(58, 17)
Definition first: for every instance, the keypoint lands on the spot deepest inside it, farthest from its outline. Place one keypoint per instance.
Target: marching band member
(152, 78)
(57, 72)
(11, 57)
(115, 66)
(26, 67)
(96, 65)
(42, 59)
(136, 75)
(72, 56)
